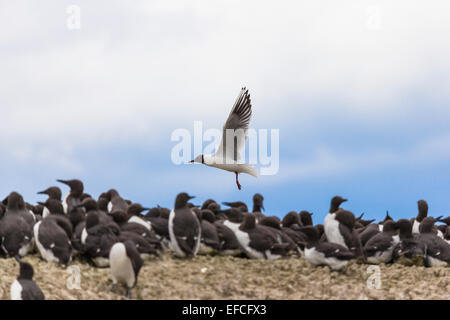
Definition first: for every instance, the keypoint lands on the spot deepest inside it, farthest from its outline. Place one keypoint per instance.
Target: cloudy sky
(359, 91)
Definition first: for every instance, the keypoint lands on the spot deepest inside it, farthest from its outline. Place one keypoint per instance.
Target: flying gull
(228, 155)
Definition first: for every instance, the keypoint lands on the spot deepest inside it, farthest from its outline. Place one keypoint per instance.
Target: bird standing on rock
(325, 253)
(380, 247)
(184, 228)
(258, 241)
(53, 234)
(437, 252)
(331, 224)
(125, 263)
(24, 288)
(16, 235)
(422, 207)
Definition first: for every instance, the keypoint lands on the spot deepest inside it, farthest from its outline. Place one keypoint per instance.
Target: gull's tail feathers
(249, 169)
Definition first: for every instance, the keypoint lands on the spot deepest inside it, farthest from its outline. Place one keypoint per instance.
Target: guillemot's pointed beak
(192, 161)
(42, 192)
(63, 181)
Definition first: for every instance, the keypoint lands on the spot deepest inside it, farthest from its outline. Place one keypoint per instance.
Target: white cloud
(135, 70)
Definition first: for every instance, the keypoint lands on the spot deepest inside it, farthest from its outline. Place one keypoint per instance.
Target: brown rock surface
(215, 277)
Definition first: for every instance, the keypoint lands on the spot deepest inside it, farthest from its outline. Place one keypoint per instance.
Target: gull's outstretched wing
(237, 126)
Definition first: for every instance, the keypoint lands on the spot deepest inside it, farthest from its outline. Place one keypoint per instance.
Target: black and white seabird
(53, 193)
(19, 208)
(16, 235)
(125, 263)
(229, 244)
(147, 249)
(422, 206)
(91, 207)
(98, 238)
(209, 242)
(258, 241)
(228, 155)
(339, 227)
(274, 225)
(184, 228)
(291, 220)
(138, 225)
(369, 232)
(24, 287)
(290, 225)
(347, 230)
(331, 224)
(160, 225)
(134, 213)
(53, 234)
(116, 202)
(74, 197)
(445, 228)
(380, 247)
(437, 249)
(320, 253)
(38, 210)
(410, 251)
(258, 206)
